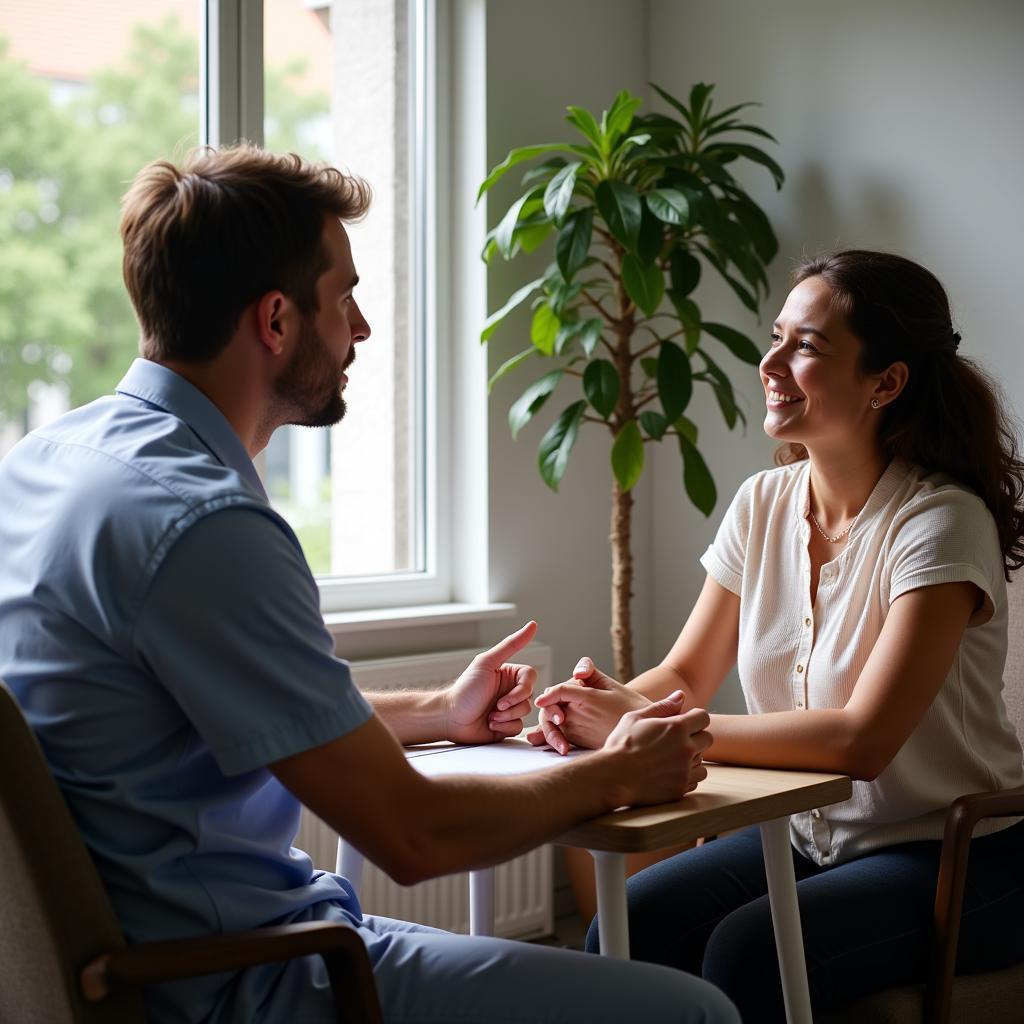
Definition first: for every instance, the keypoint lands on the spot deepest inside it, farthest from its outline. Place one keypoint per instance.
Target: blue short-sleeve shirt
(161, 629)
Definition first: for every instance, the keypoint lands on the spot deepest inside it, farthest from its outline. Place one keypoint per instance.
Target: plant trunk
(622, 583)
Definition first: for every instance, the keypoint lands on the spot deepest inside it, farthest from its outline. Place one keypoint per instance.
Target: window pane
(90, 92)
(338, 89)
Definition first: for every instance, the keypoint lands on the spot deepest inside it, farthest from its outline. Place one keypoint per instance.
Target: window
(89, 95)
(92, 93)
(358, 495)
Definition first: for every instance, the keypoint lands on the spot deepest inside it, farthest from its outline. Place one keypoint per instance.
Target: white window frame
(231, 105)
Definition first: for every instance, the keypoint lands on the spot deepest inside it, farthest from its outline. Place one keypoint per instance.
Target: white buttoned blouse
(915, 530)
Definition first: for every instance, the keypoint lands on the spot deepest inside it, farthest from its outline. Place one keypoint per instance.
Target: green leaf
(619, 117)
(517, 156)
(672, 101)
(530, 401)
(687, 428)
(509, 365)
(754, 130)
(738, 344)
(558, 194)
(505, 231)
(700, 94)
(669, 205)
(601, 386)
(531, 237)
(574, 241)
(556, 444)
(724, 394)
(697, 478)
(491, 324)
(619, 205)
(758, 156)
(544, 329)
(585, 121)
(654, 423)
(683, 272)
(590, 335)
(756, 224)
(645, 285)
(650, 366)
(742, 292)
(544, 171)
(561, 294)
(675, 380)
(628, 456)
(651, 237)
(724, 115)
(689, 316)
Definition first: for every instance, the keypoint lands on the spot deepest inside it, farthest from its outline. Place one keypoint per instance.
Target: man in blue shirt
(161, 630)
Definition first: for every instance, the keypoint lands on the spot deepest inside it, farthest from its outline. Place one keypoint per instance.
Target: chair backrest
(54, 910)
(1013, 675)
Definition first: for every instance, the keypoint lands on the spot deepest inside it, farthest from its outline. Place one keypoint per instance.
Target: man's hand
(661, 751)
(584, 710)
(490, 699)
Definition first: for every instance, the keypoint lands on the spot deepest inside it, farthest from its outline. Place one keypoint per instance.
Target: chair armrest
(961, 818)
(348, 964)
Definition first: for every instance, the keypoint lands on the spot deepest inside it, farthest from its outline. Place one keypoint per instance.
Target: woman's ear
(889, 383)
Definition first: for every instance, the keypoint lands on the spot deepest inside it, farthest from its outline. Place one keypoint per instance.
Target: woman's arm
(902, 676)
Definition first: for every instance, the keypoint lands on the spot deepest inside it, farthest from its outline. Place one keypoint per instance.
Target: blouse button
(799, 669)
(807, 622)
(799, 703)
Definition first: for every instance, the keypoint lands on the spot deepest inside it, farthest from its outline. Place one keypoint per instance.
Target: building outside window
(91, 93)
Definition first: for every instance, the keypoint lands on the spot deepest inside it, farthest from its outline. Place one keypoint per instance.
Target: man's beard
(309, 390)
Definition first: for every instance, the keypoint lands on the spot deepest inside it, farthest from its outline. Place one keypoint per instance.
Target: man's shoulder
(116, 450)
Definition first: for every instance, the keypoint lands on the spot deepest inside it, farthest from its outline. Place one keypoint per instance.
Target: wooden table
(729, 798)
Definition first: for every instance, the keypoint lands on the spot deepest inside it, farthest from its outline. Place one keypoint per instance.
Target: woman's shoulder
(936, 511)
(931, 494)
(777, 483)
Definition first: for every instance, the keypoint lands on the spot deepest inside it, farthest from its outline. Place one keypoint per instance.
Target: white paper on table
(510, 757)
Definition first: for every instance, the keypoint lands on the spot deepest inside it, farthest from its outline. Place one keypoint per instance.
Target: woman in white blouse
(860, 590)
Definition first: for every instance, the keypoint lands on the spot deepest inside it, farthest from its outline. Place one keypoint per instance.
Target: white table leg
(612, 918)
(778, 865)
(481, 902)
(350, 864)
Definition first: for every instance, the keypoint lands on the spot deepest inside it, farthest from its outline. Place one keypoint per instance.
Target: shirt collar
(162, 387)
(883, 490)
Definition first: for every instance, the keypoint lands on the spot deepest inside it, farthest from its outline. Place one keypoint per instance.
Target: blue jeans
(867, 924)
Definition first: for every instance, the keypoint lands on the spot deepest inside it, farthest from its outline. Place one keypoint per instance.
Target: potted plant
(637, 208)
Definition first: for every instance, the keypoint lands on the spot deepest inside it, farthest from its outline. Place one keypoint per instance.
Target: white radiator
(523, 891)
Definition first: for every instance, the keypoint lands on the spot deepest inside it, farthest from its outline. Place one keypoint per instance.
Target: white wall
(900, 128)
(549, 552)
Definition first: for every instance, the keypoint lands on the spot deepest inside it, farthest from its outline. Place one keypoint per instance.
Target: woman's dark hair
(949, 418)
(204, 240)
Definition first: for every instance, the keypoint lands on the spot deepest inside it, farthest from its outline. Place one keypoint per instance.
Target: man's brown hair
(205, 240)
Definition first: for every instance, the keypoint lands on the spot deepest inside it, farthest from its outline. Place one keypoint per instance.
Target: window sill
(371, 619)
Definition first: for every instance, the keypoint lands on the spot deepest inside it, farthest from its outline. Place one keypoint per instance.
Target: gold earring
(875, 403)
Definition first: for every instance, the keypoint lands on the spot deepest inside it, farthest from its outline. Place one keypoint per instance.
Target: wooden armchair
(63, 957)
(996, 997)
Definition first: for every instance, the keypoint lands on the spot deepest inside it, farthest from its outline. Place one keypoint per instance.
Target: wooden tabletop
(728, 798)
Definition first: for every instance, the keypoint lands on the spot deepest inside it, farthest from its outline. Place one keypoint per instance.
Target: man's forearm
(414, 716)
(456, 823)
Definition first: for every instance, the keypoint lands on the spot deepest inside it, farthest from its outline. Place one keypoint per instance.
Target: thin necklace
(839, 536)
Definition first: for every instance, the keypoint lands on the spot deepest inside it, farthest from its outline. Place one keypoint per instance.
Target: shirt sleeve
(231, 628)
(947, 535)
(725, 558)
